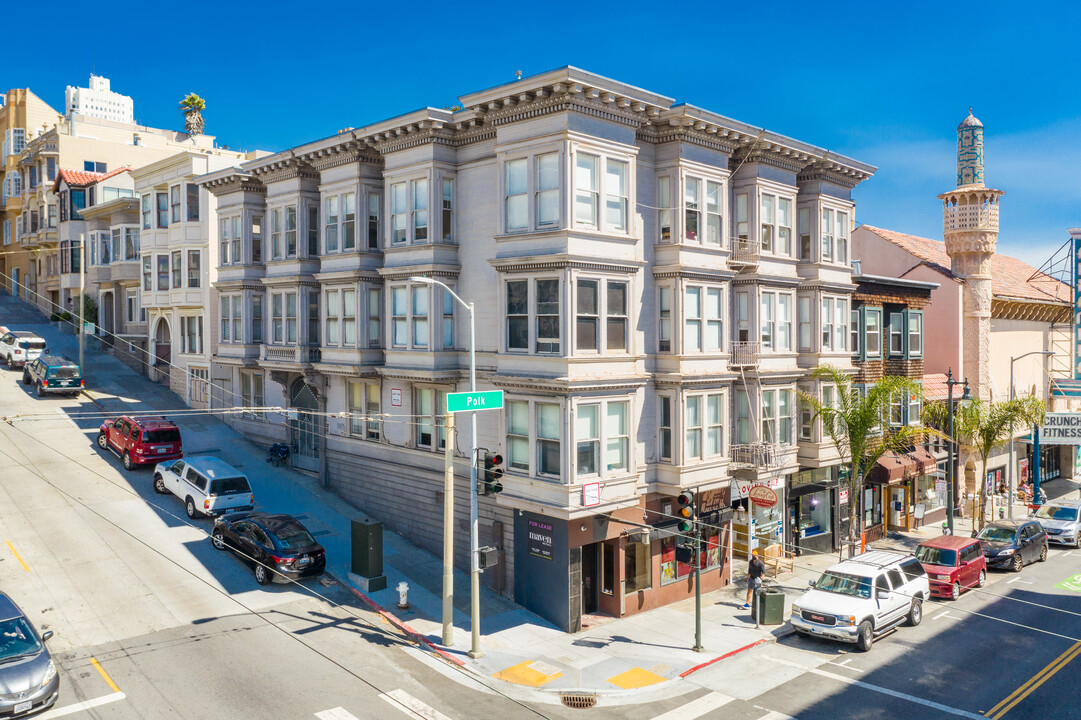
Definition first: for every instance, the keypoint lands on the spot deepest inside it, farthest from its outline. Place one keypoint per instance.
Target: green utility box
(769, 606)
(368, 553)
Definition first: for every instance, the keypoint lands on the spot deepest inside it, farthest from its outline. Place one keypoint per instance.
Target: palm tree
(192, 106)
(982, 426)
(854, 425)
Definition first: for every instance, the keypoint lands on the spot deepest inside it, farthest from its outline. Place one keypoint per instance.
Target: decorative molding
(1035, 311)
(564, 386)
(343, 154)
(711, 137)
(285, 169)
(235, 183)
(403, 272)
(563, 261)
(699, 274)
(575, 98)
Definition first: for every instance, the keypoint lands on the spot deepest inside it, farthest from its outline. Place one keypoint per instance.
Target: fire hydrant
(403, 592)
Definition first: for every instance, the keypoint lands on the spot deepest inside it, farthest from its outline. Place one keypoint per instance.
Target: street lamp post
(474, 561)
(951, 462)
(1009, 467)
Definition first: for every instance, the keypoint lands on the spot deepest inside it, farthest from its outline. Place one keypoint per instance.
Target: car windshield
(229, 486)
(17, 638)
(65, 371)
(844, 584)
(295, 538)
(1056, 512)
(164, 435)
(936, 556)
(32, 344)
(997, 534)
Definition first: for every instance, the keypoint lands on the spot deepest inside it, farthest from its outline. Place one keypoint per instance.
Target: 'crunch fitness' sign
(1061, 429)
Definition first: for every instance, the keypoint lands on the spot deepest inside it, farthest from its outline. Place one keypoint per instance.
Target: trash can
(769, 606)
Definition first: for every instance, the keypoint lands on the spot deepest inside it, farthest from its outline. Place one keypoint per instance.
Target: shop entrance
(589, 578)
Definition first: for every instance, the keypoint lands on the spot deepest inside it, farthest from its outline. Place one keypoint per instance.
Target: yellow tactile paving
(636, 678)
(523, 674)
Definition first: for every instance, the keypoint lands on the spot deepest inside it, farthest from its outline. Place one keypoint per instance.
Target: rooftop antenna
(518, 74)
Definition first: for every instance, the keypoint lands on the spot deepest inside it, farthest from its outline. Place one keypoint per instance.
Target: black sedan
(277, 547)
(28, 679)
(1013, 543)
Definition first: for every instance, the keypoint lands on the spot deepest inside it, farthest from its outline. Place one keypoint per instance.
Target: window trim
(533, 437)
(602, 438)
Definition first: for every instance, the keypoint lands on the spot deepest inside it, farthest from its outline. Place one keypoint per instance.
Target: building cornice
(563, 261)
(563, 385)
(1032, 310)
(426, 270)
(288, 168)
(665, 272)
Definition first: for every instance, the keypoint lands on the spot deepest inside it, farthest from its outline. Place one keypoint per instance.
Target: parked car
(18, 347)
(953, 564)
(54, 374)
(1062, 521)
(1013, 543)
(277, 547)
(857, 600)
(28, 679)
(141, 440)
(207, 485)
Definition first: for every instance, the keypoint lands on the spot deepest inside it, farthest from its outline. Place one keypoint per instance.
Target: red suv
(953, 564)
(141, 440)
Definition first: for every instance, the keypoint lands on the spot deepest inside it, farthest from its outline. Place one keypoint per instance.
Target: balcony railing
(291, 354)
(763, 456)
(971, 217)
(744, 353)
(744, 252)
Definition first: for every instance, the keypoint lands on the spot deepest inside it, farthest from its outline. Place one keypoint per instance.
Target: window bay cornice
(563, 261)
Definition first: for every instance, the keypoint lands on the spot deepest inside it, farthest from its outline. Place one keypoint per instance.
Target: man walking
(755, 570)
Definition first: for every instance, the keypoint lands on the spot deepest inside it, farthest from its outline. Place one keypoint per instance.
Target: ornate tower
(970, 229)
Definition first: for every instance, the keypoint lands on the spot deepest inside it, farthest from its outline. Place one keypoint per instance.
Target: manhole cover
(577, 701)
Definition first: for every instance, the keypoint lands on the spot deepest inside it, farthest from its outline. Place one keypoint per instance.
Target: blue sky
(884, 83)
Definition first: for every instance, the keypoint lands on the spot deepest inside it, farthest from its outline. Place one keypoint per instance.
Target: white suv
(858, 599)
(17, 347)
(207, 485)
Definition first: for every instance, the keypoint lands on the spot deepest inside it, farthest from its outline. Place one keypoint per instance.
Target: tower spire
(970, 151)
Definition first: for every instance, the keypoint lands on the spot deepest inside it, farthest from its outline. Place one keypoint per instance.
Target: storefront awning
(891, 468)
(925, 461)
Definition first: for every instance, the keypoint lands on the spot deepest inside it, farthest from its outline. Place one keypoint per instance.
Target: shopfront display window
(636, 562)
(930, 492)
(814, 514)
(767, 524)
(677, 560)
(872, 505)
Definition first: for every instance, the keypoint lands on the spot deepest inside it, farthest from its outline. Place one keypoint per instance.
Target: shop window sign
(540, 539)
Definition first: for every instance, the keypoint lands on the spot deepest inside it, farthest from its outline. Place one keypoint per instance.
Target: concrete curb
(393, 620)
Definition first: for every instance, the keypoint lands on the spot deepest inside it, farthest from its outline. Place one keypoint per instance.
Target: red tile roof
(81, 178)
(1010, 278)
(934, 386)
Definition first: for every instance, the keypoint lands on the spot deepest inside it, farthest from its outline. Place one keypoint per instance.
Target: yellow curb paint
(17, 556)
(96, 664)
(636, 678)
(523, 674)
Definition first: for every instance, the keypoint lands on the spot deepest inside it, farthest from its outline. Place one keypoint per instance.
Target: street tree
(855, 425)
(192, 106)
(982, 426)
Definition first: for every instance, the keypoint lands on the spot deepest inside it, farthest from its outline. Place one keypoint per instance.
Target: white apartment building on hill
(651, 281)
(99, 101)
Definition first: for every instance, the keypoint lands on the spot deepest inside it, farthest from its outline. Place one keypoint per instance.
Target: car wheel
(7, 361)
(128, 464)
(103, 441)
(915, 613)
(159, 484)
(955, 591)
(189, 505)
(1018, 563)
(41, 390)
(262, 575)
(217, 540)
(865, 636)
(1043, 553)
(983, 579)
(26, 378)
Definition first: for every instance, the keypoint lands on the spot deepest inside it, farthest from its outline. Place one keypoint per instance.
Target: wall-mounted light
(583, 527)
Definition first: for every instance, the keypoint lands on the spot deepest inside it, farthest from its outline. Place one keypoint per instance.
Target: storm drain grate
(578, 701)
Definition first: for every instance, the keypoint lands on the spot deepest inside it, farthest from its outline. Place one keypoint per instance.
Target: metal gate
(305, 427)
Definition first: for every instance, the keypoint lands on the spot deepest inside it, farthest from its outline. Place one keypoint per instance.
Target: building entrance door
(589, 578)
(305, 426)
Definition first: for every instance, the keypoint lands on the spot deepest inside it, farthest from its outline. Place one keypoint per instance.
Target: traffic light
(687, 512)
(492, 472)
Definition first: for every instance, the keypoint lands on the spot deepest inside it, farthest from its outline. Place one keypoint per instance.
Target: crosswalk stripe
(338, 713)
(696, 708)
(79, 707)
(412, 707)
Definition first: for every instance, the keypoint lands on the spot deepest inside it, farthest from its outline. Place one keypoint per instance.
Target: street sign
(467, 401)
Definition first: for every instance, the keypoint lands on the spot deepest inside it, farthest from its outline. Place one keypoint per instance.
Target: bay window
(374, 201)
(283, 318)
(664, 426)
(692, 210)
(872, 320)
(178, 269)
(447, 219)
(776, 321)
(591, 435)
(257, 319)
(586, 190)
(375, 318)
(702, 196)
(915, 334)
(596, 176)
(835, 317)
(533, 424)
(330, 213)
(616, 195)
(777, 416)
(251, 393)
(664, 320)
(805, 324)
(420, 210)
(664, 207)
(193, 202)
(194, 268)
(835, 227)
(349, 221)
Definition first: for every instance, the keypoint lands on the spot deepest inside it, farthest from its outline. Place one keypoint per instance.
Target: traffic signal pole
(697, 586)
(474, 539)
(448, 536)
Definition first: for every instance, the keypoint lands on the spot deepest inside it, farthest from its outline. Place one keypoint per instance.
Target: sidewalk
(609, 656)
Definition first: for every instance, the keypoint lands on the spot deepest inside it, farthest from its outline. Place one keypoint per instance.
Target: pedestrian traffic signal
(492, 472)
(687, 512)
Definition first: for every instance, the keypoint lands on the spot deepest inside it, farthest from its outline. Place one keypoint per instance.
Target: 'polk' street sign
(468, 401)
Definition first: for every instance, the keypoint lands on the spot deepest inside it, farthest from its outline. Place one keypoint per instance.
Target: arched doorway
(162, 348)
(305, 426)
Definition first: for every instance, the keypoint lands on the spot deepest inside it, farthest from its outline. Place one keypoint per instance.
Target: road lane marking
(105, 675)
(1034, 682)
(697, 708)
(1017, 579)
(17, 556)
(338, 713)
(412, 707)
(79, 707)
(884, 691)
(845, 665)
(774, 715)
(945, 613)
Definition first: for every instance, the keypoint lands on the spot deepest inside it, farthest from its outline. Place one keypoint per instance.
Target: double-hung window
(333, 317)
(516, 194)
(420, 296)
(914, 404)
(257, 319)
(251, 392)
(330, 212)
(163, 272)
(835, 319)
(544, 310)
(897, 333)
(776, 223)
(133, 311)
(283, 318)
(586, 190)
(600, 315)
(409, 211)
(872, 321)
(375, 318)
(146, 211)
(364, 417)
(374, 201)
(148, 273)
(827, 235)
(703, 432)
(834, 236)
(349, 221)
(664, 208)
(399, 203)
(192, 334)
(276, 250)
(420, 210)
(228, 334)
(399, 322)
(162, 200)
(546, 189)
(448, 319)
(595, 177)
(178, 269)
(290, 222)
(192, 202)
(174, 203)
(777, 416)
(854, 332)
(430, 413)
(692, 209)
(915, 334)
(805, 323)
(256, 239)
(533, 437)
(602, 438)
(194, 268)
(409, 316)
(664, 426)
(703, 322)
(520, 184)
(664, 319)
(447, 218)
(714, 209)
(804, 233)
(897, 409)
(776, 321)
(587, 315)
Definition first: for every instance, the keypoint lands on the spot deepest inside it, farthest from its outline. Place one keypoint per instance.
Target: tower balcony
(974, 208)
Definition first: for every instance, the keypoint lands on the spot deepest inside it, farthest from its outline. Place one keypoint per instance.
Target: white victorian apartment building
(651, 283)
